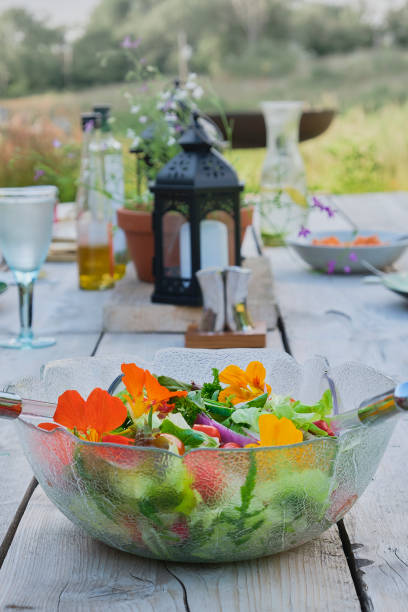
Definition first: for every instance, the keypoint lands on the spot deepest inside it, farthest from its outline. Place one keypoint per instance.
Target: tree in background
(238, 37)
(397, 25)
(32, 57)
(326, 29)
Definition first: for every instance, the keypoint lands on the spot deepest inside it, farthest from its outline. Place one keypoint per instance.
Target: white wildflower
(143, 119)
(134, 109)
(130, 133)
(136, 142)
(171, 141)
(198, 92)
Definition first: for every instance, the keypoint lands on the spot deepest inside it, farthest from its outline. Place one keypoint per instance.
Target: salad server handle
(383, 406)
(12, 406)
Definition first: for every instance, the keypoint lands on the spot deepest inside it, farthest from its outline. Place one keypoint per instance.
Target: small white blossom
(130, 133)
(127, 95)
(136, 142)
(171, 141)
(198, 92)
(180, 94)
(192, 76)
(170, 117)
(143, 119)
(135, 109)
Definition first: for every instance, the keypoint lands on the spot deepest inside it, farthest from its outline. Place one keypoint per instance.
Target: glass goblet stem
(25, 284)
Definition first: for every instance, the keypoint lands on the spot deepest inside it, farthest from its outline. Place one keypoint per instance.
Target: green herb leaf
(211, 390)
(172, 384)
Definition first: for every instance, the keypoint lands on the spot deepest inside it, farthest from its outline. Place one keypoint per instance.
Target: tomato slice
(210, 430)
(324, 426)
(230, 445)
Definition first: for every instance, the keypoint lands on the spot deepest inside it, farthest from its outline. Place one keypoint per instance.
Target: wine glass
(26, 216)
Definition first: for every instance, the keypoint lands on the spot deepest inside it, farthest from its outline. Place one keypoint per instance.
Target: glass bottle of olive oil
(112, 159)
(94, 214)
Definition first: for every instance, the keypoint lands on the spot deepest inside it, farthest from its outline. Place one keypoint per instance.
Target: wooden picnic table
(49, 564)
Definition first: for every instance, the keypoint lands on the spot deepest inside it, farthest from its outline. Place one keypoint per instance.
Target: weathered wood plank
(59, 306)
(345, 319)
(53, 565)
(313, 577)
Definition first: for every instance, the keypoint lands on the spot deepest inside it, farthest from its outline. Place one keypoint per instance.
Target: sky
(74, 13)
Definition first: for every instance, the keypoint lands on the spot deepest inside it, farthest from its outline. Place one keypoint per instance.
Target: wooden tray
(255, 338)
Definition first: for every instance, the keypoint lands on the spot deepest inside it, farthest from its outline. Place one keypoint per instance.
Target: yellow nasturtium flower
(276, 432)
(243, 386)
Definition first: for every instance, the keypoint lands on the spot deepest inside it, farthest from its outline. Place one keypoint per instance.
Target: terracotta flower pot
(137, 226)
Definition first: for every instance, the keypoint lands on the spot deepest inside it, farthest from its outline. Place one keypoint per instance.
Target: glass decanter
(283, 205)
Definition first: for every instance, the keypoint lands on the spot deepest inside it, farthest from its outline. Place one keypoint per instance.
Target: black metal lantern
(196, 219)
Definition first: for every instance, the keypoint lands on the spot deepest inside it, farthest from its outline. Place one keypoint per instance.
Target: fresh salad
(236, 409)
(201, 505)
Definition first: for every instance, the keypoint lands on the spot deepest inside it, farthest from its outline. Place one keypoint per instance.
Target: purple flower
(56, 143)
(353, 257)
(143, 60)
(331, 266)
(89, 126)
(143, 88)
(70, 155)
(38, 173)
(317, 203)
(347, 269)
(303, 232)
(178, 128)
(128, 43)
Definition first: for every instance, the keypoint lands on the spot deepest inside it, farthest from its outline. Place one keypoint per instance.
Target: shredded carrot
(358, 241)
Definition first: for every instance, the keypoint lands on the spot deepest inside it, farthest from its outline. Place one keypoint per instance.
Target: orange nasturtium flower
(243, 386)
(91, 419)
(145, 391)
(276, 432)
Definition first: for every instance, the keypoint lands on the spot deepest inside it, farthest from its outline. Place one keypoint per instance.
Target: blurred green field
(361, 152)
(364, 150)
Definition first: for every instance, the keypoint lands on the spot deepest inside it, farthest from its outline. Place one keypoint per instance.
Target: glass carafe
(283, 206)
(112, 157)
(94, 214)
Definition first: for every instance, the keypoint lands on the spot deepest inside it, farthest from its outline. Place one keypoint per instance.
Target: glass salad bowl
(209, 505)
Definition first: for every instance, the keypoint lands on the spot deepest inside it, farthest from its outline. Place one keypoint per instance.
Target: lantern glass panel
(172, 223)
(220, 207)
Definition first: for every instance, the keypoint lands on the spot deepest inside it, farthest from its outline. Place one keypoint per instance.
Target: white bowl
(349, 259)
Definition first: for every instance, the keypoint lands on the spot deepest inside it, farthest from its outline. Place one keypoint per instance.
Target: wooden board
(255, 338)
(345, 319)
(129, 308)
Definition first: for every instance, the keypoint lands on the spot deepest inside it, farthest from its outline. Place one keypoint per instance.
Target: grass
(365, 149)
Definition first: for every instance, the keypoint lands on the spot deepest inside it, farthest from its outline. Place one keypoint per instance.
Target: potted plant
(158, 120)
